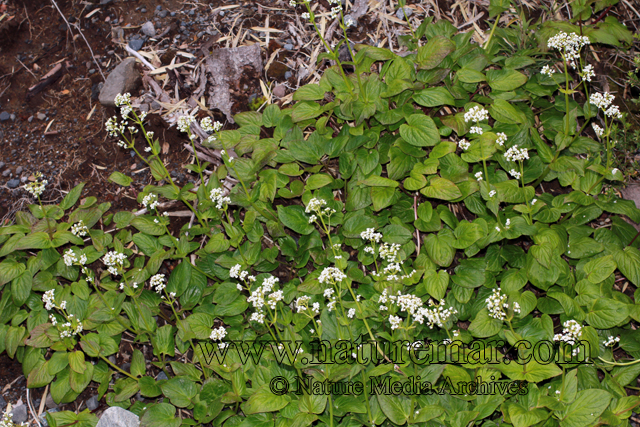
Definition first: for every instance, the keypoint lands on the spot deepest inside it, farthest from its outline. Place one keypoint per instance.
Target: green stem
(493, 29)
(566, 98)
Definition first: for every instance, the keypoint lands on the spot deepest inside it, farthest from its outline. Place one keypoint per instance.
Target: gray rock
(19, 412)
(279, 91)
(148, 29)
(92, 403)
(163, 14)
(41, 116)
(288, 46)
(155, 105)
(143, 10)
(6, 172)
(288, 75)
(12, 117)
(23, 180)
(3, 403)
(127, 366)
(19, 170)
(118, 417)
(124, 78)
(162, 375)
(158, 7)
(136, 43)
(13, 183)
(1, 166)
(407, 10)
(4, 116)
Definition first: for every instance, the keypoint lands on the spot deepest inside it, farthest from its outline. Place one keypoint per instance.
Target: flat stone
(400, 13)
(41, 116)
(19, 170)
(3, 403)
(288, 46)
(92, 403)
(124, 78)
(162, 375)
(163, 14)
(136, 43)
(148, 29)
(6, 172)
(118, 417)
(19, 412)
(279, 91)
(13, 183)
(49, 402)
(4, 116)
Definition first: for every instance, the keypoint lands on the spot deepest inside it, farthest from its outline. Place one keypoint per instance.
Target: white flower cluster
(337, 7)
(79, 229)
(464, 144)
(604, 102)
(514, 154)
(476, 129)
(437, 315)
(389, 252)
(257, 298)
(351, 313)
(70, 330)
(217, 198)
(114, 128)
(184, 123)
(36, 188)
(306, 15)
(371, 235)
(597, 129)
(478, 176)
(394, 321)
(208, 126)
(455, 333)
(316, 206)
(497, 303)
(217, 334)
(547, 70)
(150, 201)
(611, 341)
(331, 275)
(502, 138)
(514, 173)
(476, 114)
(349, 21)
(302, 303)
(157, 282)
(587, 73)
(329, 294)
(115, 261)
(49, 299)
(571, 332)
(569, 45)
(122, 99)
(70, 258)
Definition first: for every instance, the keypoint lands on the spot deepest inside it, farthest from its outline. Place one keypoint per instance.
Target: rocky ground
(55, 58)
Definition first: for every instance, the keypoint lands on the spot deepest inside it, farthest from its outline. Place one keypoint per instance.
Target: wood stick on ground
(83, 37)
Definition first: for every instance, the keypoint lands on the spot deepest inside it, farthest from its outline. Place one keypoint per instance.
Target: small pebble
(13, 183)
(4, 116)
(162, 375)
(288, 75)
(19, 414)
(92, 403)
(288, 46)
(407, 10)
(143, 10)
(19, 170)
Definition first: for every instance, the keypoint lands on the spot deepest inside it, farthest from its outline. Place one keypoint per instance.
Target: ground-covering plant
(402, 203)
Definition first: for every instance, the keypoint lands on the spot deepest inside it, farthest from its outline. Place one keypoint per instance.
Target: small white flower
(79, 229)
(611, 341)
(614, 171)
(36, 188)
(502, 138)
(184, 123)
(492, 193)
(371, 235)
(476, 114)
(351, 313)
(464, 144)
(478, 176)
(306, 16)
(150, 201)
(395, 321)
(49, 299)
(69, 258)
(157, 282)
(218, 334)
(597, 129)
(587, 73)
(514, 154)
(547, 70)
(514, 173)
(476, 130)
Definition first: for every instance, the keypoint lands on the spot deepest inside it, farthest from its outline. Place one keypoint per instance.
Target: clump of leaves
(408, 206)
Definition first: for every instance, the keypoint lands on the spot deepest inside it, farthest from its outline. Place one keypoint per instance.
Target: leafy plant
(356, 223)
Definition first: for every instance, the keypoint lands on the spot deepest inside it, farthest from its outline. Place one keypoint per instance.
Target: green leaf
(180, 390)
(436, 283)
(441, 188)
(439, 249)
(263, 400)
(295, 218)
(396, 408)
(379, 181)
(78, 381)
(469, 75)
(504, 112)
(599, 269)
(148, 387)
(433, 97)
(138, 366)
(420, 130)
(180, 278)
(305, 110)
(21, 288)
(120, 179)
(72, 197)
(160, 415)
(532, 371)
(309, 92)
(505, 80)
(484, 326)
(318, 181)
(148, 226)
(605, 313)
(628, 261)
(382, 197)
(586, 409)
(433, 53)
(9, 270)
(76, 361)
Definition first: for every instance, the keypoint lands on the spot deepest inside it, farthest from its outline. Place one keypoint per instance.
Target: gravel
(13, 183)
(162, 376)
(407, 10)
(136, 43)
(4, 116)
(148, 29)
(288, 46)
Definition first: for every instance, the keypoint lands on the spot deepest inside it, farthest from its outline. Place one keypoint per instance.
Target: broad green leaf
(505, 80)
(420, 130)
(433, 53)
(180, 390)
(263, 400)
(161, 415)
(295, 218)
(433, 97)
(599, 269)
(120, 179)
(605, 313)
(586, 409)
(484, 326)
